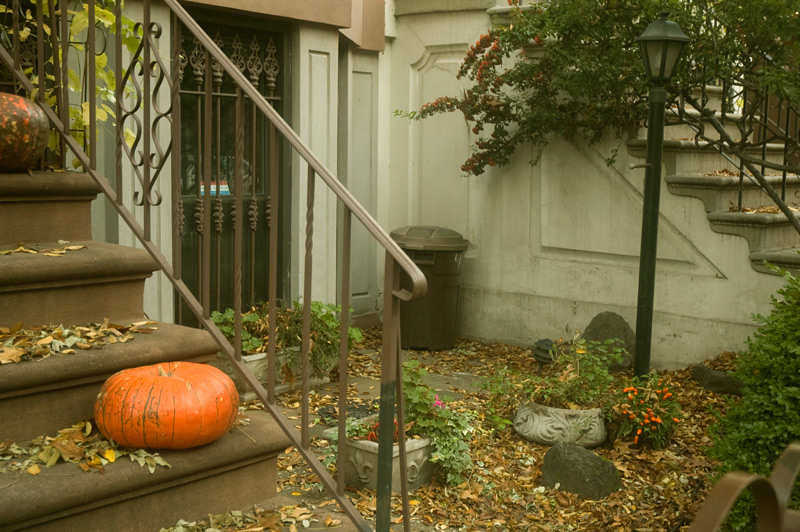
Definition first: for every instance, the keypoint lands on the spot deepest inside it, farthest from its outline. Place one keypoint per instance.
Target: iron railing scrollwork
(142, 151)
(772, 496)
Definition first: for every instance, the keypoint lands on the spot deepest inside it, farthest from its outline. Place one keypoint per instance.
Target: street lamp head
(661, 45)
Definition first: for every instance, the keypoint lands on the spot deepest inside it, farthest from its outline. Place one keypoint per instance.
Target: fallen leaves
(47, 251)
(18, 344)
(286, 518)
(80, 444)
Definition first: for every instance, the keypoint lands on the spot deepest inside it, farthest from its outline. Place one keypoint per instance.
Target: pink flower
(438, 403)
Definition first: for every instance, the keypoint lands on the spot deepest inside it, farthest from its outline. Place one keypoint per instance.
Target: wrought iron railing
(772, 497)
(59, 57)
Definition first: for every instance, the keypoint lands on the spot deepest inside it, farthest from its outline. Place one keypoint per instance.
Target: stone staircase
(699, 171)
(44, 211)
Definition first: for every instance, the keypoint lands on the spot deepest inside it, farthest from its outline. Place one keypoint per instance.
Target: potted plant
(324, 354)
(567, 400)
(646, 410)
(437, 439)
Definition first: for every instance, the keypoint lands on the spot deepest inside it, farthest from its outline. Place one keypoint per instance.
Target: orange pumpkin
(24, 131)
(175, 405)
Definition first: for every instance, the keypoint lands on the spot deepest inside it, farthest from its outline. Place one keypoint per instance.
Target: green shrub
(505, 392)
(325, 330)
(766, 419)
(578, 376)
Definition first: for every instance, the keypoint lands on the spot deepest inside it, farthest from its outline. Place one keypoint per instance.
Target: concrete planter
(548, 425)
(259, 365)
(361, 469)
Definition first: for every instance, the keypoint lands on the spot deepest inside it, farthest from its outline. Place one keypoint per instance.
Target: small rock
(607, 326)
(579, 471)
(715, 380)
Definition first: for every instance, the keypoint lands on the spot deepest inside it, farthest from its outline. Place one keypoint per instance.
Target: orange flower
(630, 397)
(638, 432)
(676, 420)
(652, 427)
(635, 440)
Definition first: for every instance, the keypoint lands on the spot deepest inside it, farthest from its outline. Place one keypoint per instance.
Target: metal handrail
(772, 497)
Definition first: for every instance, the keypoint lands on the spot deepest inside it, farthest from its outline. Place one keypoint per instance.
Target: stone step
(677, 130)
(46, 206)
(232, 473)
(690, 157)
(44, 395)
(82, 286)
(788, 259)
(763, 231)
(720, 192)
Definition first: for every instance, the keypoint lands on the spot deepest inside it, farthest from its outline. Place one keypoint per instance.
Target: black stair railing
(50, 51)
(768, 126)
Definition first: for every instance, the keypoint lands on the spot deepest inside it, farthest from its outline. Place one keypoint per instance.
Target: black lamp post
(661, 45)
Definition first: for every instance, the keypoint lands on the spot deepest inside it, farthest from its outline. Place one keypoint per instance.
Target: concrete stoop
(80, 287)
(232, 473)
(87, 284)
(46, 206)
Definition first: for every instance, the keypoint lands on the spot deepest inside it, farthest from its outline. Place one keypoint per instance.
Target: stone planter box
(548, 425)
(259, 365)
(361, 469)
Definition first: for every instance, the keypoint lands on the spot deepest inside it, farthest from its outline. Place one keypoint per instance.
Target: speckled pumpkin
(174, 405)
(24, 132)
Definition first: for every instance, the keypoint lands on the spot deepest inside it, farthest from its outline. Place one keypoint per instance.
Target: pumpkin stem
(162, 373)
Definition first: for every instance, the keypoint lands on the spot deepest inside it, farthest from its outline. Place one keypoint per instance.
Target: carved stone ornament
(547, 425)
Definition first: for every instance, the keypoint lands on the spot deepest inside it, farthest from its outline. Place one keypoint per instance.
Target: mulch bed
(663, 489)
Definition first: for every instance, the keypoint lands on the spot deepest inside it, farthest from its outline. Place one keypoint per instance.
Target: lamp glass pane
(655, 59)
(673, 53)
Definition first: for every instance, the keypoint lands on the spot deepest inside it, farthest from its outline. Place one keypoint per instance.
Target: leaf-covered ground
(663, 489)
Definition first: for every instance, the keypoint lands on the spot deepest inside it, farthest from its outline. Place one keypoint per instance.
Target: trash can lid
(426, 237)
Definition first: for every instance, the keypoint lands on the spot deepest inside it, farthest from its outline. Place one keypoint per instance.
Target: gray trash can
(430, 322)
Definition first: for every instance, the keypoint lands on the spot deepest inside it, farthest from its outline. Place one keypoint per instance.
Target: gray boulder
(607, 326)
(577, 470)
(715, 380)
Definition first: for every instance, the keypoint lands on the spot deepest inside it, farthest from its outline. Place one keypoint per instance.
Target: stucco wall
(553, 245)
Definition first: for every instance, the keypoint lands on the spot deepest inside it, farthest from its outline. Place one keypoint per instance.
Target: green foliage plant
(647, 410)
(579, 375)
(325, 332)
(758, 427)
(449, 429)
(572, 68)
(505, 392)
